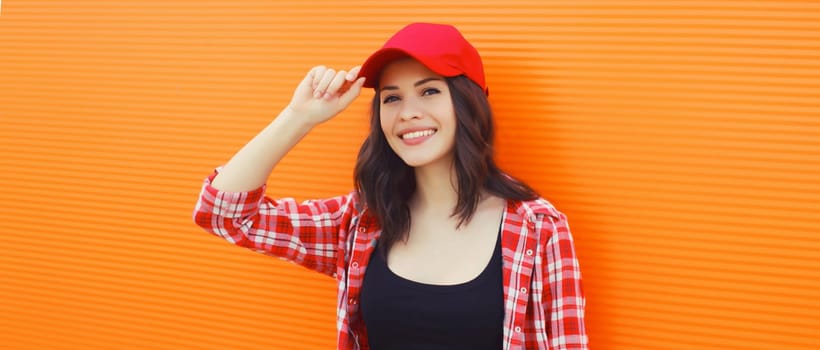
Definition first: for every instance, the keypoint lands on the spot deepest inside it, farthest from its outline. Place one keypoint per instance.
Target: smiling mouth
(417, 134)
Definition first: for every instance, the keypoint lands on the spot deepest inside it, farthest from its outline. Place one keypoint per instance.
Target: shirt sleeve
(306, 233)
(565, 327)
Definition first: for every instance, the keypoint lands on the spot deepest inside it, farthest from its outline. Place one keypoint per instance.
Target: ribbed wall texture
(685, 137)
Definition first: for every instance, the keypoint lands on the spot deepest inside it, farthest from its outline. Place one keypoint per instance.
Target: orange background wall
(686, 138)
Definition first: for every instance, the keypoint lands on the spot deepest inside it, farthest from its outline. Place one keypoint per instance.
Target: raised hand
(324, 93)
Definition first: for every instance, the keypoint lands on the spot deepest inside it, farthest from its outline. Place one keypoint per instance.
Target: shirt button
(529, 252)
(517, 329)
(523, 290)
(362, 229)
(352, 301)
(354, 265)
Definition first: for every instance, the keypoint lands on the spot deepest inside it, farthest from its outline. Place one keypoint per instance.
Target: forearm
(250, 167)
(322, 94)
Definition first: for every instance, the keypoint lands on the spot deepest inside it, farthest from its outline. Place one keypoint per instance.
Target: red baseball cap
(440, 47)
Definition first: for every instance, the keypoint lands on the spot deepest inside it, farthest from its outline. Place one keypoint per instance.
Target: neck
(436, 187)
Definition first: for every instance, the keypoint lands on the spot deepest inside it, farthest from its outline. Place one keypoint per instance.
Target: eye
(390, 98)
(430, 91)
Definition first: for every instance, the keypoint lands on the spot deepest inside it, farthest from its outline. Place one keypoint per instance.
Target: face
(416, 113)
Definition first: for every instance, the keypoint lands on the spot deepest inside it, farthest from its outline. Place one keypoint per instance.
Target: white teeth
(415, 134)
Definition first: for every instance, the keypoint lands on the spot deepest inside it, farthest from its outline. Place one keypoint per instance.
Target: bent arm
(232, 204)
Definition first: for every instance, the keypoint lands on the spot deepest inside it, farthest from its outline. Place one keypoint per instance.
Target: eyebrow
(391, 87)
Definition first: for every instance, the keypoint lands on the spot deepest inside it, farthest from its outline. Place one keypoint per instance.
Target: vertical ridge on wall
(682, 138)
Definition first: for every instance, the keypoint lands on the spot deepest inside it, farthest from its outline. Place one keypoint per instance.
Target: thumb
(353, 92)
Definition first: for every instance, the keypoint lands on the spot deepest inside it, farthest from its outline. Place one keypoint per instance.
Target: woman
(436, 248)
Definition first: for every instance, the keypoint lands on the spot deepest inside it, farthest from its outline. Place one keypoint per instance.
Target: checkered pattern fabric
(543, 298)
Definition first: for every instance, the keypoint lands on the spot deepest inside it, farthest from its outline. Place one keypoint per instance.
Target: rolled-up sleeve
(305, 233)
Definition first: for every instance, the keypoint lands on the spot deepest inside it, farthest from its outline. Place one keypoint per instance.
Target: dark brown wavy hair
(385, 183)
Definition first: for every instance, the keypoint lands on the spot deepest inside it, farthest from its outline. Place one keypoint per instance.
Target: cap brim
(372, 67)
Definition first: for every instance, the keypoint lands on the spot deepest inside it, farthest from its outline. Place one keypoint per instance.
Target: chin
(415, 162)
(423, 159)
(420, 157)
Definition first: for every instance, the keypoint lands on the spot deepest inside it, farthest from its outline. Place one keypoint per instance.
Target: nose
(410, 109)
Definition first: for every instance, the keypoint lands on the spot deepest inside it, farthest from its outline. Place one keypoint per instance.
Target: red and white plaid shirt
(543, 299)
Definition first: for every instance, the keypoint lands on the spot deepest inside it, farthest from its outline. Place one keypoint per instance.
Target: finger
(335, 84)
(308, 78)
(327, 77)
(353, 92)
(313, 76)
(353, 73)
(316, 75)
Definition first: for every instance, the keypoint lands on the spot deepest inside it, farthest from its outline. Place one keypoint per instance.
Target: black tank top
(401, 314)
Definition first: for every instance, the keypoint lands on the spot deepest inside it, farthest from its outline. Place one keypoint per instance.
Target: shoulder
(350, 204)
(544, 217)
(359, 212)
(538, 209)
